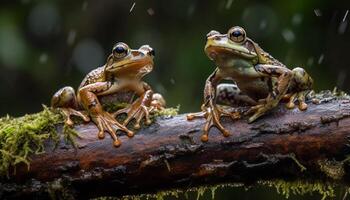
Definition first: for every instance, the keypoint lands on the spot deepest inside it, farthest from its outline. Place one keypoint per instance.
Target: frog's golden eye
(237, 34)
(120, 50)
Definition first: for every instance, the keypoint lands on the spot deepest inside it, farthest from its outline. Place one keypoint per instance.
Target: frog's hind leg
(65, 99)
(300, 86)
(277, 89)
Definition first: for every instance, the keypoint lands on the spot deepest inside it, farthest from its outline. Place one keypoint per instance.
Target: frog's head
(234, 44)
(125, 62)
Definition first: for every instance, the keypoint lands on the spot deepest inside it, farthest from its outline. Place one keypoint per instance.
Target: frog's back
(94, 76)
(267, 57)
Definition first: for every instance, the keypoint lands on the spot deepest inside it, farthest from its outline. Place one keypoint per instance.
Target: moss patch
(195, 192)
(327, 96)
(167, 112)
(300, 188)
(284, 188)
(332, 169)
(22, 136)
(113, 107)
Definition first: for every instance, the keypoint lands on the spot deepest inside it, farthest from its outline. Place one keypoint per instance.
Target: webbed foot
(141, 109)
(106, 123)
(213, 114)
(264, 106)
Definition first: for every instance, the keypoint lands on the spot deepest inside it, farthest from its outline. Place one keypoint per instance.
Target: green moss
(332, 169)
(166, 112)
(113, 107)
(161, 195)
(285, 188)
(300, 188)
(22, 136)
(58, 189)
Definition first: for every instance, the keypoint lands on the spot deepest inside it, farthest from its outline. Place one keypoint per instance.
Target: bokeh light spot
(87, 55)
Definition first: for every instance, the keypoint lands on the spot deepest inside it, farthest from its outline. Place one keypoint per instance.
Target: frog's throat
(130, 64)
(248, 55)
(232, 47)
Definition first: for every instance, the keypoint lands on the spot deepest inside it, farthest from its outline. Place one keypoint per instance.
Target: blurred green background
(45, 45)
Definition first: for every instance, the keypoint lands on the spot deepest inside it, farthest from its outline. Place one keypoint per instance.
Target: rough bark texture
(285, 144)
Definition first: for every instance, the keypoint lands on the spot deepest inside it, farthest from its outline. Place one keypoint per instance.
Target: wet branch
(169, 154)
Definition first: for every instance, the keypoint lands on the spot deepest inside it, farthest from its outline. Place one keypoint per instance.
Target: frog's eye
(120, 50)
(237, 34)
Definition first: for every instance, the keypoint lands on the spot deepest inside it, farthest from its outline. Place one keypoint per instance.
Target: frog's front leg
(104, 120)
(278, 90)
(66, 100)
(143, 106)
(300, 86)
(210, 111)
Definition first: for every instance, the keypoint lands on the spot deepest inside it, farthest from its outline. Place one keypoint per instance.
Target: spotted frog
(261, 81)
(120, 76)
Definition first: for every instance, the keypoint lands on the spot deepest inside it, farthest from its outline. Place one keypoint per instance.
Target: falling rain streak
(132, 7)
(318, 12)
(320, 59)
(346, 14)
(228, 4)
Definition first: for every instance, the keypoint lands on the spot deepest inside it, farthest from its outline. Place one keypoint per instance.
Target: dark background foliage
(45, 45)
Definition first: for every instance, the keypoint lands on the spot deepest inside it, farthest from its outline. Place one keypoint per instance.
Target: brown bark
(169, 154)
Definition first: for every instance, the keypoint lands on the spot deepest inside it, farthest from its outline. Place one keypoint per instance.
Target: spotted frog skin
(120, 76)
(261, 81)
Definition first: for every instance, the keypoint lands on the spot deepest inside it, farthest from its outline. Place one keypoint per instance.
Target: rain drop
(43, 58)
(310, 61)
(341, 78)
(84, 6)
(228, 4)
(346, 14)
(320, 59)
(263, 24)
(190, 10)
(342, 27)
(297, 19)
(132, 7)
(288, 35)
(150, 11)
(318, 12)
(71, 37)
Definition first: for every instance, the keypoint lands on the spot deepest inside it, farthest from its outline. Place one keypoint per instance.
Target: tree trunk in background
(285, 144)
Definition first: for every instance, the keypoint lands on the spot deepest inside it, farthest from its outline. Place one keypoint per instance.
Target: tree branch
(284, 144)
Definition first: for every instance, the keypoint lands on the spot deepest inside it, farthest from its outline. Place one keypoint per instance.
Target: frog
(260, 81)
(121, 77)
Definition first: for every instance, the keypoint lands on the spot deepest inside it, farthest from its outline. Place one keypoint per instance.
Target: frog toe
(298, 98)
(258, 111)
(68, 112)
(106, 123)
(135, 112)
(302, 106)
(193, 116)
(290, 105)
